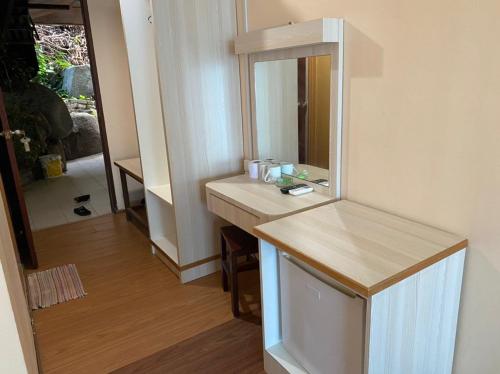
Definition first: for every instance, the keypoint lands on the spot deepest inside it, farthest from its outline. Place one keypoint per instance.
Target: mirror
(292, 114)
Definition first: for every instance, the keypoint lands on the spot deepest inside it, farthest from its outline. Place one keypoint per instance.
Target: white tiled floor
(50, 201)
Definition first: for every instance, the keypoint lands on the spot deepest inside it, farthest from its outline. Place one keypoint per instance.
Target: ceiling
(56, 11)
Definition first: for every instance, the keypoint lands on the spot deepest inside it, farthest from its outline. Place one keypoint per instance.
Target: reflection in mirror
(292, 110)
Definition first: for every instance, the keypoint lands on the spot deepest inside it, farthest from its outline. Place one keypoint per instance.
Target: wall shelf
(164, 192)
(323, 30)
(167, 247)
(285, 359)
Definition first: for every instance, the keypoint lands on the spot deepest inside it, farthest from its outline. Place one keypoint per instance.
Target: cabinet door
(322, 324)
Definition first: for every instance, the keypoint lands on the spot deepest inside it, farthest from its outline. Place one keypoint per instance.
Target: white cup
(263, 165)
(253, 169)
(288, 168)
(273, 173)
(271, 160)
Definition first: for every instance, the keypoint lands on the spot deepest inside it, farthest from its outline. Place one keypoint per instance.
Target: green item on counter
(284, 181)
(304, 174)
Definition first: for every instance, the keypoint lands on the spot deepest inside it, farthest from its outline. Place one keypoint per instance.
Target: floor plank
(135, 306)
(233, 347)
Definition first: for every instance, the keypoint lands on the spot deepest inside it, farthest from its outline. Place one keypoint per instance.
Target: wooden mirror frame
(313, 38)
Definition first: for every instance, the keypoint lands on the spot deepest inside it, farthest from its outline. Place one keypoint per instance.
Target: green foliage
(43, 64)
(50, 70)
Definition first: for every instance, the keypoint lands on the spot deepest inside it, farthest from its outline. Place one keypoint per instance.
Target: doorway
(58, 168)
(64, 69)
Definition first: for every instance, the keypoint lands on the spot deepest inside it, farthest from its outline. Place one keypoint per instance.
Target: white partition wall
(199, 84)
(139, 35)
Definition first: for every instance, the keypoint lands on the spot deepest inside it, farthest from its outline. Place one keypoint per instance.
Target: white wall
(276, 96)
(423, 131)
(17, 347)
(11, 354)
(114, 81)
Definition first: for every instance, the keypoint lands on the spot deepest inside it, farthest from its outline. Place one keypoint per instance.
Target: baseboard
(166, 260)
(189, 272)
(200, 271)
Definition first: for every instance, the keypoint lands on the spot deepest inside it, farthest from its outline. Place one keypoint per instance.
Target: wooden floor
(233, 347)
(135, 306)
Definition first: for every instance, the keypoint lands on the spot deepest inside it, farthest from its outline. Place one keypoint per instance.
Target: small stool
(236, 243)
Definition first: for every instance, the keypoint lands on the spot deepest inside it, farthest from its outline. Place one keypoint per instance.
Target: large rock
(77, 81)
(38, 99)
(85, 139)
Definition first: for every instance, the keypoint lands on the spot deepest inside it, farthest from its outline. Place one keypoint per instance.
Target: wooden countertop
(263, 199)
(363, 248)
(131, 166)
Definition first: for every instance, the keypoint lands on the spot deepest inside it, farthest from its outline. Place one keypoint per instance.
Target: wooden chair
(236, 243)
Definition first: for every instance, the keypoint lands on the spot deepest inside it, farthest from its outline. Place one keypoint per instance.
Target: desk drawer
(231, 213)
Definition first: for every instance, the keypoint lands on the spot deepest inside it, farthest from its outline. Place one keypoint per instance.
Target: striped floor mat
(54, 286)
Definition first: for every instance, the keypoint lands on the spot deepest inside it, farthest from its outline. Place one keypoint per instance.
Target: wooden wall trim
(172, 266)
(175, 267)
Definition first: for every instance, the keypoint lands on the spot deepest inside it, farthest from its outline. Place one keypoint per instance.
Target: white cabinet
(313, 324)
(321, 323)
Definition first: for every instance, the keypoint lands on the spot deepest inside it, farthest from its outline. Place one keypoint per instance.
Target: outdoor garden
(55, 106)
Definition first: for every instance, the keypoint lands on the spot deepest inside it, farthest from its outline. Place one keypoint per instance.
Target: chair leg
(223, 257)
(233, 270)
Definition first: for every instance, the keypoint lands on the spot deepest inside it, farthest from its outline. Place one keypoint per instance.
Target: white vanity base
(408, 327)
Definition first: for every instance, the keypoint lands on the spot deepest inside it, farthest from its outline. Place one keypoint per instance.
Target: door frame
(11, 180)
(99, 106)
(16, 287)
(303, 109)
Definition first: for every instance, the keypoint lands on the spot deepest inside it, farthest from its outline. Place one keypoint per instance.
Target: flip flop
(82, 198)
(82, 211)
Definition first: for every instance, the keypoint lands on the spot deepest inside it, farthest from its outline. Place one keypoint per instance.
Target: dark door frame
(99, 108)
(14, 193)
(302, 109)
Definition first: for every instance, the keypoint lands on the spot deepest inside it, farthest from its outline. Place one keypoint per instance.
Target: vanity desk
(350, 289)
(246, 202)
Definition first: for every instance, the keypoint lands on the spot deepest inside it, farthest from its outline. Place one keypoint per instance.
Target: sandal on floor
(82, 211)
(82, 198)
